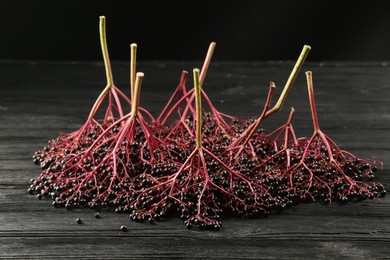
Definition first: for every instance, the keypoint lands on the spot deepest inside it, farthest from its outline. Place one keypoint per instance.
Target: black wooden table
(39, 99)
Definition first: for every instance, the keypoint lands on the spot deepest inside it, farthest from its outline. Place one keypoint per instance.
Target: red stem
(252, 128)
(180, 87)
(312, 102)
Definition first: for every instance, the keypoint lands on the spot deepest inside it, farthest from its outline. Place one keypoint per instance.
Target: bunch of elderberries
(195, 163)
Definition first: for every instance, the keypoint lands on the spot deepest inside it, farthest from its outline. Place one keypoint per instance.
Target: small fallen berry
(79, 221)
(124, 228)
(97, 215)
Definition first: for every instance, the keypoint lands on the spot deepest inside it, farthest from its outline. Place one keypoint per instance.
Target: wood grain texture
(39, 99)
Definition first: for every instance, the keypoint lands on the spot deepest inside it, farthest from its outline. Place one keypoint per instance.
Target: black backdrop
(243, 30)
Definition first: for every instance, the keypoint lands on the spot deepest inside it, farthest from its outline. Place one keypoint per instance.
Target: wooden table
(39, 99)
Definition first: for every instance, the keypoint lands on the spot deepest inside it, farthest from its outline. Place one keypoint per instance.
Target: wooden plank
(38, 99)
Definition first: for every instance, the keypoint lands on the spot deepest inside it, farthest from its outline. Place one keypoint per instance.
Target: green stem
(106, 58)
(133, 71)
(198, 102)
(137, 91)
(290, 81)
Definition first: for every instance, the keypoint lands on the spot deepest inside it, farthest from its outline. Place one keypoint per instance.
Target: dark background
(243, 30)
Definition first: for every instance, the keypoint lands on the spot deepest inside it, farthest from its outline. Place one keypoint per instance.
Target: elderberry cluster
(151, 178)
(197, 164)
